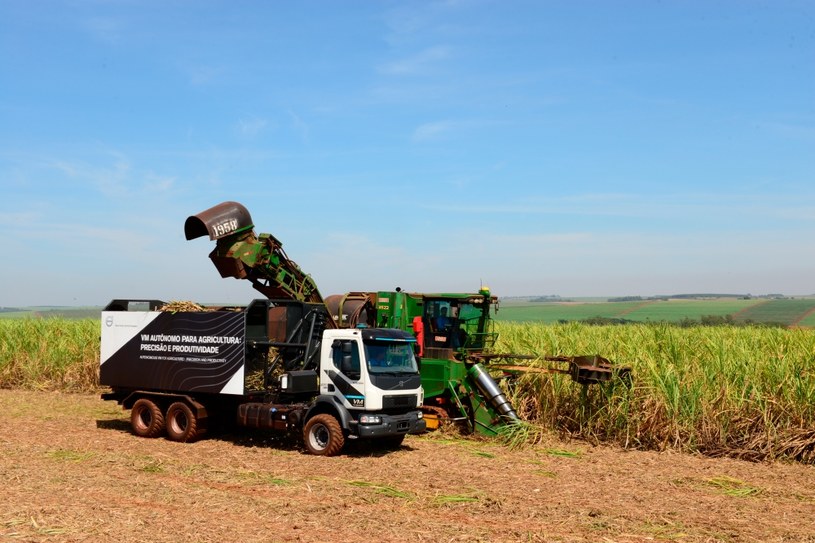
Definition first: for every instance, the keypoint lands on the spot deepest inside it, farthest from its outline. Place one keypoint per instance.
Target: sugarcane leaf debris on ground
(72, 471)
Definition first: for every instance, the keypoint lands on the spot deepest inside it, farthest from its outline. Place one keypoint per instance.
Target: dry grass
(73, 472)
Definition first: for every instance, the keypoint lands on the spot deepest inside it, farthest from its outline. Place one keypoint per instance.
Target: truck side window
(350, 349)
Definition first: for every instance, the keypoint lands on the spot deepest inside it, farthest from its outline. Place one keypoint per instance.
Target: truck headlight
(420, 415)
(370, 419)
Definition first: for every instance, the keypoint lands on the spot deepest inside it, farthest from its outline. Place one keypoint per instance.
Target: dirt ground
(72, 471)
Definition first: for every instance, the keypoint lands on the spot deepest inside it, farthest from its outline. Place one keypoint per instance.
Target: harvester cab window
(452, 323)
(469, 312)
(443, 321)
(470, 319)
(441, 315)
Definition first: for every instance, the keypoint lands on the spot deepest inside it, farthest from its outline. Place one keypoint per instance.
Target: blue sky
(578, 149)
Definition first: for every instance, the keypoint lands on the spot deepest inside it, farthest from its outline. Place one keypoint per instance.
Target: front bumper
(393, 425)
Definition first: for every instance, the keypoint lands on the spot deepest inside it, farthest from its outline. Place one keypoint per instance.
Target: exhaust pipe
(492, 392)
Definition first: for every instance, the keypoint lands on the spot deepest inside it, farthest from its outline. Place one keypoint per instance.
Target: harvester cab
(456, 326)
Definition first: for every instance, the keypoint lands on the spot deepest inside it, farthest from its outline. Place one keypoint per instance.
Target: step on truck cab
(270, 365)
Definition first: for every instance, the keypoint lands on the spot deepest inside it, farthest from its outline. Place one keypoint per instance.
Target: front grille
(391, 402)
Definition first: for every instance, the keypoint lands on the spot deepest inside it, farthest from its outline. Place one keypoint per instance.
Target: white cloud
(110, 180)
(299, 126)
(251, 127)
(647, 263)
(701, 207)
(202, 74)
(431, 131)
(19, 220)
(418, 64)
(158, 183)
(104, 29)
(114, 176)
(794, 131)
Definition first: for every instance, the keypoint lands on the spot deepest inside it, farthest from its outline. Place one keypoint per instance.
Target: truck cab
(373, 373)
(356, 383)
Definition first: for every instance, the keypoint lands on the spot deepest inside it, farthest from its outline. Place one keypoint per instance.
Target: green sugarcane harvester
(454, 330)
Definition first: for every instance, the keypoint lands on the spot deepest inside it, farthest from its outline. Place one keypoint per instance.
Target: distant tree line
(686, 322)
(658, 298)
(549, 298)
(694, 297)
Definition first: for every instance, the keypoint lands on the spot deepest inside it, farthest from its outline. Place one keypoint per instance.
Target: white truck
(270, 365)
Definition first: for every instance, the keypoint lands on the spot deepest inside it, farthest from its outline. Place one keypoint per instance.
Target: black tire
(182, 424)
(146, 418)
(323, 435)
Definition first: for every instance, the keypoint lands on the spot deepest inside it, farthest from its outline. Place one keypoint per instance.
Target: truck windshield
(390, 357)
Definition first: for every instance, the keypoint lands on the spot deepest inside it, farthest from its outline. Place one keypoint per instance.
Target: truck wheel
(323, 435)
(146, 418)
(182, 424)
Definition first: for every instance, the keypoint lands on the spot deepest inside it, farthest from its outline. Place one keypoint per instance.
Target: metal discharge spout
(492, 392)
(239, 253)
(222, 220)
